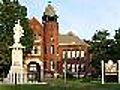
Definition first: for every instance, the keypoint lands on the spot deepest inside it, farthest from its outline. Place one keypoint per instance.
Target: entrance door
(33, 72)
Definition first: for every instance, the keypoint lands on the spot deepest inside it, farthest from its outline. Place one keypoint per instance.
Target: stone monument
(17, 74)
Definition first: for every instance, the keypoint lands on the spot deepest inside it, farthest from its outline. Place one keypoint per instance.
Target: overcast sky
(83, 17)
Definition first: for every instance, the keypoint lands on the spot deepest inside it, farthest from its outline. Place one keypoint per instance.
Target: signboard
(110, 68)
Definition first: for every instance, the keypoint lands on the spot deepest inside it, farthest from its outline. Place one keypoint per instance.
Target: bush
(87, 79)
(1, 79)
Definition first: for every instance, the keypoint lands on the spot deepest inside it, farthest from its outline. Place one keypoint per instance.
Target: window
(35, 50)
(52, 65)
(73, 67)
(30, 76)
(73, 54)
(68, 66)
(64, 52)
(82, 68)
(77, 53)
(33, 67)
(52, 39)
(82, 53)
(38, 38)
(69, 54)
(39, 50)
(77, 67)
(58, 65)
(52, 49)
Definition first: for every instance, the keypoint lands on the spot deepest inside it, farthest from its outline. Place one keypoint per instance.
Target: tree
(116, 48)
(100, 47)
(10, 12)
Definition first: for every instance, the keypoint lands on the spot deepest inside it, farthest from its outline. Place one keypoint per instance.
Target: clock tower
(50, 25)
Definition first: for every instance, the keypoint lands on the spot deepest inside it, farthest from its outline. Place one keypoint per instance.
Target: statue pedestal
(17, 74)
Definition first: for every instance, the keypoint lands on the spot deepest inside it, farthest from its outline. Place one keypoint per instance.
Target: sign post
(102, 63)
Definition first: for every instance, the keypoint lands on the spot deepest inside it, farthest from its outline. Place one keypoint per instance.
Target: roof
(35, 25)
(70, 39)
(49, 10)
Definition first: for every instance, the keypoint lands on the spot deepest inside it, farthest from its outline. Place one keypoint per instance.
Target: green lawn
(59, 85)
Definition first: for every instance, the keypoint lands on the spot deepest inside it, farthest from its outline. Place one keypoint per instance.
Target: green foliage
(104, 48)
(10, 12)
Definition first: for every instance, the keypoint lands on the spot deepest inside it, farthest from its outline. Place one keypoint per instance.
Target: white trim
(73, 54)
(82, 53)
(51, 65)
(69, 54)
(77, 53)
(63, 54)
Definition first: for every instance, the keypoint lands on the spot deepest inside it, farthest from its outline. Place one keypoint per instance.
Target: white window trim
(82, 53)
(51, 64)
(63, 53)
(73, 54)
(77, 53)
(69, 54)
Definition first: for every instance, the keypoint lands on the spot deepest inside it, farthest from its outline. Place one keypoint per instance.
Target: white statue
(18, 32)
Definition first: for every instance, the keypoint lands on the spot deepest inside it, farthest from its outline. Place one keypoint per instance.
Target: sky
(82, 17)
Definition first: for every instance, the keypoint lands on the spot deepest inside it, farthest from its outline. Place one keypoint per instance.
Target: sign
(110, 68)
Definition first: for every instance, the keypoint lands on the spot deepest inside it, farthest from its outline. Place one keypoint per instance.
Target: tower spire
(49, 13)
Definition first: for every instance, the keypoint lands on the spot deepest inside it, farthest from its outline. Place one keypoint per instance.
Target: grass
(58, 84)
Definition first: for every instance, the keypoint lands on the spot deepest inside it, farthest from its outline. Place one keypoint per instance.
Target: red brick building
(50, 47)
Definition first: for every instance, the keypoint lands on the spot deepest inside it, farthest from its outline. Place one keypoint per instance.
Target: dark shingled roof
(70, 38)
